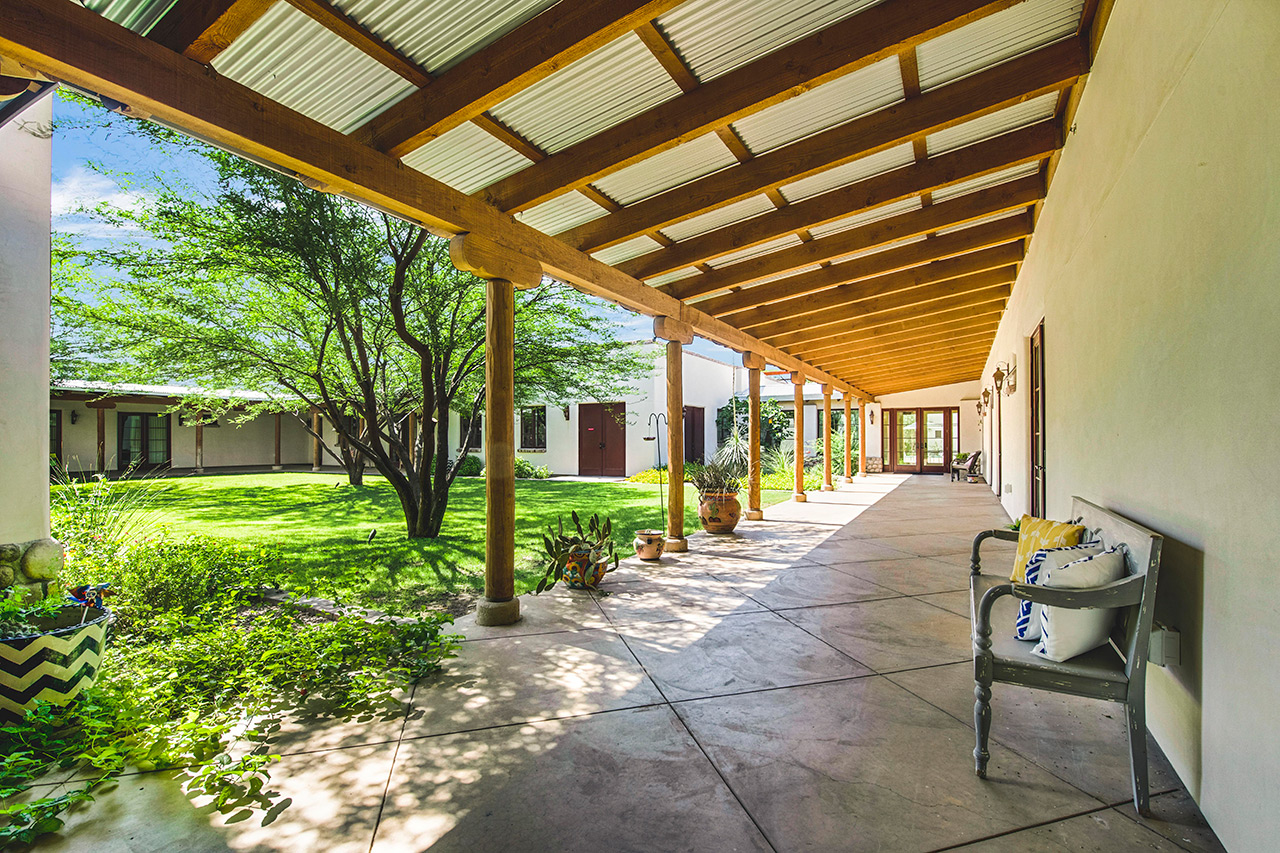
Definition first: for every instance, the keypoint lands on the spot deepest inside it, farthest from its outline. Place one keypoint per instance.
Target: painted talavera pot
(719, 512)
(584, 571)
(649, 544)
(54, 666)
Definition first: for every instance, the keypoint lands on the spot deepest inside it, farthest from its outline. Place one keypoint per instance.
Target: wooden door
(602, 439)
(906, 440)
(1037, 423)
(935, 441)
(695, 434)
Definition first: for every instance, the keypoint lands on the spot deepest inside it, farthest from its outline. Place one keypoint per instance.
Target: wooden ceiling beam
(846, 46)
(1039, 72)
(79, 46)
(851, 355)
(838, 297)
(897, 385)
(957, 243)
(531, 52)
(979, 281)
(202, 29)
(954, 352)
(1004, 198)
(1016, 148)
(915, 327)
(981, 302)
(943, 365)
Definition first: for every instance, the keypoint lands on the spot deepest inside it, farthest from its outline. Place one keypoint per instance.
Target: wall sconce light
(564, 410)
(871, 416)
(73, 416)
(998, 377)
(986, 397)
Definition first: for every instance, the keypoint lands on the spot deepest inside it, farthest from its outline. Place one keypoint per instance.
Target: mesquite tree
(321, 303)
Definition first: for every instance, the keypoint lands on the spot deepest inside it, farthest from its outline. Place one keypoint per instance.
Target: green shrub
(471, 467)
(785, 480)
(658, 474)
(526, 470)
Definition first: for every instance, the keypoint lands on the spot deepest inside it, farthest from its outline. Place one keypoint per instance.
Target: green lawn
(322, 525)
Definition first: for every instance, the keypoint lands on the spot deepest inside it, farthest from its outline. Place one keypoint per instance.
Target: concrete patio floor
(804, 684)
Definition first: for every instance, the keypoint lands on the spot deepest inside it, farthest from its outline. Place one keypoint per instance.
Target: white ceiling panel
(561, 213)
(1010, 118)
(875, 214)
(632, 248)
(849, 173)
(466, 158)
(786, 241)
(739, 211)
(666, 170)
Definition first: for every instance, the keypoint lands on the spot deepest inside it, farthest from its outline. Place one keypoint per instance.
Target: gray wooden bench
(1115, 672)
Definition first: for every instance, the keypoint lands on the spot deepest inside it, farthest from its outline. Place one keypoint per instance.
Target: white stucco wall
(1155, 268)
(24, 307)
(959, 394)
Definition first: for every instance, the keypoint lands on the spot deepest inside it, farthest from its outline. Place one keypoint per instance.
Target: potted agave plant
(718, 507)
(49, 650)
(581, 557)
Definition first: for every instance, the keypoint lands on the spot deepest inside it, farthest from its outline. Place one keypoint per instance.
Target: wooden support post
(826, 438)
(797, 379)
(862, 439)
(503, 272)
(676, 334)
(848, 438)
(200, 446)
(276, 463)
(754, 364)
(317, 427)
(102, 441)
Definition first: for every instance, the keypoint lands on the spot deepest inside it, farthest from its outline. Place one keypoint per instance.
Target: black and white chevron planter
(54, 666)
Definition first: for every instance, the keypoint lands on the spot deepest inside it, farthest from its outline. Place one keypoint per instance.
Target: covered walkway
(804, 685)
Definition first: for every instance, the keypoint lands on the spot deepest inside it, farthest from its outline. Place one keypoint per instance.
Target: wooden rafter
(343, 26)
(953, 371)
(1003, 198)
(951, 351)
(930, 292)
(843, 47)
(801, 309)
(1045, 70)
(201, 29)
(1018, 147)
(849, 356)
(904, 329)
(79, 46)
(981, 302)
(732, 306)
(531, 52)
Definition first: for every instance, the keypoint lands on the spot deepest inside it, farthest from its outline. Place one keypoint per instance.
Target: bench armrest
(976, 557)
(1121, 593)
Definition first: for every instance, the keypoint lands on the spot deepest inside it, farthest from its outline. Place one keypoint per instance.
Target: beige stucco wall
(1156, 268)
(24, 341)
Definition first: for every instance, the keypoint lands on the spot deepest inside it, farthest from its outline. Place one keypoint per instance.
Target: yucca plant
(595, 542)
(716, 479)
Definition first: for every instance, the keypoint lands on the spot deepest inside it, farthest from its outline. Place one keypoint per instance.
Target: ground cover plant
(199, 668)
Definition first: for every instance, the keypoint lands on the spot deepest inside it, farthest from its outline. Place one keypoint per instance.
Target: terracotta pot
(649, 544)
(582, 572)
(719, 512)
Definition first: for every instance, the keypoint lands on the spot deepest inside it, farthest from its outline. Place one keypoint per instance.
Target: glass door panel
(906, 454)
(935, 440)
(130, 440)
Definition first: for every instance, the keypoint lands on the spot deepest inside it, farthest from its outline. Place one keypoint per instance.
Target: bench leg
(982, 727)
(1136, 715)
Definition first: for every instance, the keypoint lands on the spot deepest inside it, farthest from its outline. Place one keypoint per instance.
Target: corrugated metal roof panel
(137, 15)
(982, 183)
(561, 213)
(616, 82)
(666, 170)
(674, 275)
(995, 38)
(290, 58)
(830, 104)
(896, 244)
(786, 241)
(632, 248)
(875, 214)
(841, 176)
(438, 34)
(994, 124)
(995, 217)
(466, 158)
(711, 220)
(714, 37)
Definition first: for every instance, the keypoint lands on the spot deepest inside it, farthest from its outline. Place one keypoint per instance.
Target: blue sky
(85, 137)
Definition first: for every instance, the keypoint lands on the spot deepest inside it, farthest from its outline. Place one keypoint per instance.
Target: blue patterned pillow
(1026, 625)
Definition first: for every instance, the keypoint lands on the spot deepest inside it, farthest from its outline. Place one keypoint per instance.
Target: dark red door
(602, 439)
(695, 434)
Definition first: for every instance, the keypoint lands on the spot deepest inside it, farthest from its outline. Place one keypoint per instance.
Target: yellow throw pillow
(1037, 533)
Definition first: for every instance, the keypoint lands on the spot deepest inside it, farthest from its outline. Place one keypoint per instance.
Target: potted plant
(48, 650)
(718, 507)
(581, 557)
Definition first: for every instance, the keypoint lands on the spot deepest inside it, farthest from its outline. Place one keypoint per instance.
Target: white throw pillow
(1026, 623)
(1066, 632)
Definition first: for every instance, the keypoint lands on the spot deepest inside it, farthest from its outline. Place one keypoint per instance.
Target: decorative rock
(6, 576)
(10, 553)
(43, 560)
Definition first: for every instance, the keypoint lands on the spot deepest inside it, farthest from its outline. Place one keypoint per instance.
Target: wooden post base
(755, 515)
(828, 488)
(675, 546)
(848, 479)
(498, 612)
(800, 497)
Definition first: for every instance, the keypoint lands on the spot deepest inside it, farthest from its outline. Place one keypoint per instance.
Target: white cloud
(82, 187)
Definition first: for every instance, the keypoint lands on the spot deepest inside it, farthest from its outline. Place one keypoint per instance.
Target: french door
(144, 441)
(921, 441)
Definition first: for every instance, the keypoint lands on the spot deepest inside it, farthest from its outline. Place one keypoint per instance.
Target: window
(533, 428)
(55, 436)
(955, 433)
(475, 439)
